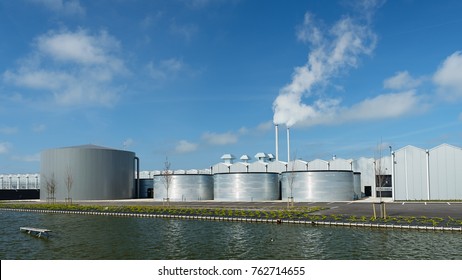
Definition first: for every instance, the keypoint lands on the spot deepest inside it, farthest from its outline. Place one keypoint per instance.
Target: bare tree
(380, 177)
(69, 181)
(51, 188)
(167, 178)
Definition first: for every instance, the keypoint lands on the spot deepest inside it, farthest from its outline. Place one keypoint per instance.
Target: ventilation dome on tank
(228, 158)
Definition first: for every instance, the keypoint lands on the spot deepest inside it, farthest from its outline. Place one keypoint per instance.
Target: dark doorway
(367, 190)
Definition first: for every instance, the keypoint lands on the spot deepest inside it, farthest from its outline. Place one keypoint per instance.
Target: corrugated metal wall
(410, 174)
(184, 187)
(246, 186)
(318, 186)
(445, 166)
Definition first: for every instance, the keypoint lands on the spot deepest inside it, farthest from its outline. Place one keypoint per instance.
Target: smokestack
(277, 141)
(288, 144)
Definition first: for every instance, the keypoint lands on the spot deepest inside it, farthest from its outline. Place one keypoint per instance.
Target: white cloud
(4, 147)
(27, 158)
(82, 73)
(39, 128)
(220, 138)
(266, 126)
(385, 106)
(69, 7)
(184, 146)
(185, 31)
(81, 48)
(165, 69)
(401, 80)
(333, 51)
(8, 130)
(448, 77)
(128, 143)
(308, 32)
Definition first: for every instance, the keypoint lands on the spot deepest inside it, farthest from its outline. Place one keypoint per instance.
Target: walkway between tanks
(357, 208)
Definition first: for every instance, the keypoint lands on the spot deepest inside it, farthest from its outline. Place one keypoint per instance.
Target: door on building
(367, 190)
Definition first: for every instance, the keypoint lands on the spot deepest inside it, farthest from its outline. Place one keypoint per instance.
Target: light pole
(392, 182)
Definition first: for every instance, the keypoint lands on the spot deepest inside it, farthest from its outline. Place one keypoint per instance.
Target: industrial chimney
(288, 144)
(277, 141)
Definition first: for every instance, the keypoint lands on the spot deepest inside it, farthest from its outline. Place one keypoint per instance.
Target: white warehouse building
(434, 174)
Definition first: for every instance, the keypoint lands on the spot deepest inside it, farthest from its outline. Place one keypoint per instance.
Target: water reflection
(103, 237)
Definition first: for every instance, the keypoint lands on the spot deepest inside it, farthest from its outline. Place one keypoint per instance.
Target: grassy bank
(293, 214)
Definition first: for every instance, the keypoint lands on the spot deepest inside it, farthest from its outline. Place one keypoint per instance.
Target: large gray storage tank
(97, 173)
(317, 186)
(246, 186)
(184, 187)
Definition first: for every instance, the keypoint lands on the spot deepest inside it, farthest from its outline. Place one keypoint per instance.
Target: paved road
(358, 208)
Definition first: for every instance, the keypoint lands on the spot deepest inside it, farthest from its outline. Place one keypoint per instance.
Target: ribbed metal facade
(184, 187)
(428, 174)
(318, 186)
(357, 185)
(445, 173)
(97, 173)
(246, 186)
(410, 174)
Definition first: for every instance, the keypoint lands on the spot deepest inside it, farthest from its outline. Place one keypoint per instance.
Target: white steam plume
(333, 51)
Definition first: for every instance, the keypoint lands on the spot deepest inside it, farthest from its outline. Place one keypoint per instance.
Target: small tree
(380, 178)
(51, 188)
(69, 181)
(167, 178)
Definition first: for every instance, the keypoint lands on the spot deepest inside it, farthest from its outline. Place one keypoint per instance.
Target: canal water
(106, 237)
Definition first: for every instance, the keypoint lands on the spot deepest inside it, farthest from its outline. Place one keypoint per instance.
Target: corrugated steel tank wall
(246, 186)
(184, 187)
(97, 173)
(318, 186)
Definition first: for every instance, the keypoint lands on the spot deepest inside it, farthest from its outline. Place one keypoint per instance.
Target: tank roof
(89, 147)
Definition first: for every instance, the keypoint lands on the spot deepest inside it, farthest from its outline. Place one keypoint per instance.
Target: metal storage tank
(318, 186)
(184, 187)
(246, 186)
(97, 173)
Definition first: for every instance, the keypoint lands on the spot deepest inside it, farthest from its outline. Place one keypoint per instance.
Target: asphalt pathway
(357, 208)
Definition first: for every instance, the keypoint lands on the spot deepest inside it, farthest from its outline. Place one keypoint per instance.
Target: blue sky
(193, 80)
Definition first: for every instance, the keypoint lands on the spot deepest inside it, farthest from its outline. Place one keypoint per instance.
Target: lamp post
(392, 159)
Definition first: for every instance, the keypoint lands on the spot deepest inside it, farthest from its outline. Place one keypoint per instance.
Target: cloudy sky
(193, 80)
